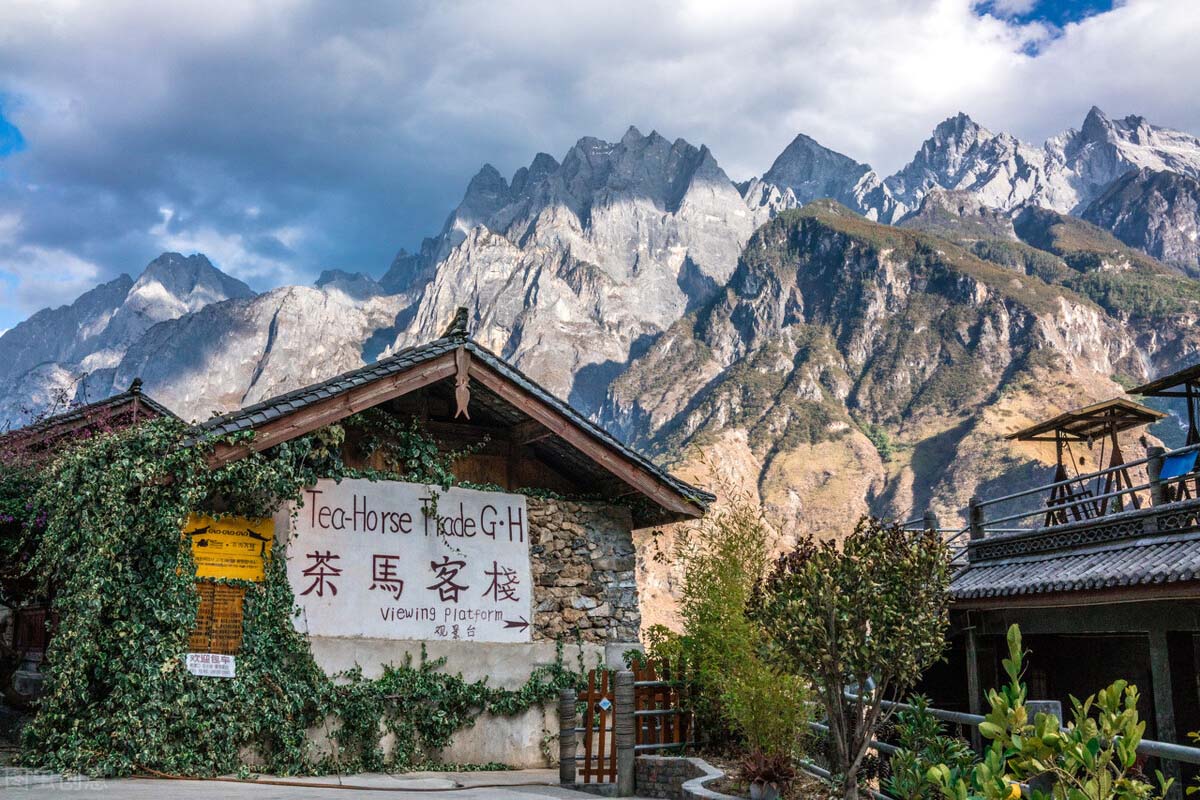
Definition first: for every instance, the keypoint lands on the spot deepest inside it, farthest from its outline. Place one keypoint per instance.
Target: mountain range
(842, 341)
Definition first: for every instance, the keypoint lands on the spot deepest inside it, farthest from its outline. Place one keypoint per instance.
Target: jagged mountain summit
(807, 171)
(570, 267)
(1065, 174)
(53, 348)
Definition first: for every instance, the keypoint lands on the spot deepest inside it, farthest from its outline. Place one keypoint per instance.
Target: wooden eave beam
(628, 471)
(467, 430)
(332, 409)
(530, 431)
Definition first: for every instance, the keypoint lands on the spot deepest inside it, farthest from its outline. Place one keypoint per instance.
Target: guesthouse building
(531, 547)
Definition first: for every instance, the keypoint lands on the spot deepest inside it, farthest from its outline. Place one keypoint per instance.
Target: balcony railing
(1029, 510)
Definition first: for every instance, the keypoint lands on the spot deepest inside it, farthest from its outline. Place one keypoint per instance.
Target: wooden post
(566, 736)
(974, 692)
(931, 522)
(1164, 706)
(975, 517)
(1196, 662)
(623, 728)
(1158, 494)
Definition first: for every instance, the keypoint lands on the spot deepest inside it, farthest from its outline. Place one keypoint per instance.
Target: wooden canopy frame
(1087, 424)
(1184, 383)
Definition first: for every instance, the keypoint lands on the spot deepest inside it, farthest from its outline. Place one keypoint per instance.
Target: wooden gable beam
(559, 425)
(530, 431)
(332, 409)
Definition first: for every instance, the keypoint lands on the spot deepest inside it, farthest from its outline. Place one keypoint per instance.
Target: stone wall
(583, 571)
(676, 778)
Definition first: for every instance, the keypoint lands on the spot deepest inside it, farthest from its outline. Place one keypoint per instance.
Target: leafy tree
(860, 622)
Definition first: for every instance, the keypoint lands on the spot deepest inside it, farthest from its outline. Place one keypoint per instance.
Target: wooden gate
(661, 719)
(599, 739)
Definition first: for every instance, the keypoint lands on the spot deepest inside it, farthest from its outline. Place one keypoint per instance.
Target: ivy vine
(103, 529)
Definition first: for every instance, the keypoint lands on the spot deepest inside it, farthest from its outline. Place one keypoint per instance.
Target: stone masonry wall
(583, 571)
(676, 778)
(664, 777)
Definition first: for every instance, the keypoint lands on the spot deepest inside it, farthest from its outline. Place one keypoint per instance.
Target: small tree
(723, 559)
(861, 623)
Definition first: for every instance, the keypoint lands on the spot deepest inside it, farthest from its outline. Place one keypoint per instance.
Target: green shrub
(738, 692)
(923, 744)
(1092, 758)
(879, 437)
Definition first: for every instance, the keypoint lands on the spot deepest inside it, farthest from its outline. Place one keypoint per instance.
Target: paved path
(538, 785)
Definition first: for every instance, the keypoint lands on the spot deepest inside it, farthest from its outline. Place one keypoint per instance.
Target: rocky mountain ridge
(47, 354)
(638, 258)
(571, 267)
(1066, 173)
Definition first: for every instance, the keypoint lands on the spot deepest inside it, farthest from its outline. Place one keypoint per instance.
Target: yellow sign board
(230, 547)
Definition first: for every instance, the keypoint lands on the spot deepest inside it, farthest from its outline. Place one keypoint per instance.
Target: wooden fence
(661, 719)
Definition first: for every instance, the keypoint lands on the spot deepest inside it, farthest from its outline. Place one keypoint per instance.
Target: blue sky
(1058, 13)
(11, 140)
(284, 138)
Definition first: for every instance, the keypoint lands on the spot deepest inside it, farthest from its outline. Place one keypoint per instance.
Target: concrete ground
(514, 785)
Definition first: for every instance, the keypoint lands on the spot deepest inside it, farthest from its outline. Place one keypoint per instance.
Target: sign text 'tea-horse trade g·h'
(394, 560)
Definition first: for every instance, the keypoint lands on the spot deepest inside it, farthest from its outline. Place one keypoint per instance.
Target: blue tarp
(1174, 466)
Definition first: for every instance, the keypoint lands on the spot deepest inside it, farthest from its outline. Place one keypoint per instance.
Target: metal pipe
(1149, 747)
(875, 744)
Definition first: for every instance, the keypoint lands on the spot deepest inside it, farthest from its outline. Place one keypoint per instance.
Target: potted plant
(767, 775)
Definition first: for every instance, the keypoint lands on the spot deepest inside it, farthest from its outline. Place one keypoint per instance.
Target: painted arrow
(521, 623)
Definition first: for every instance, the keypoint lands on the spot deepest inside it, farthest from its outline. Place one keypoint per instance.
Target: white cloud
(1007, 8)
(232, 252)
(46, 276)
(359, 125)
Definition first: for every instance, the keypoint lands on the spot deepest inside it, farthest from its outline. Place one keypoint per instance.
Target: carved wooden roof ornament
(462, 382)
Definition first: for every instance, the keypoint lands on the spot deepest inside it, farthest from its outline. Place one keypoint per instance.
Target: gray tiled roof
(1158, 545)
(261, 413)
(109, 404)
(1141, 563)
